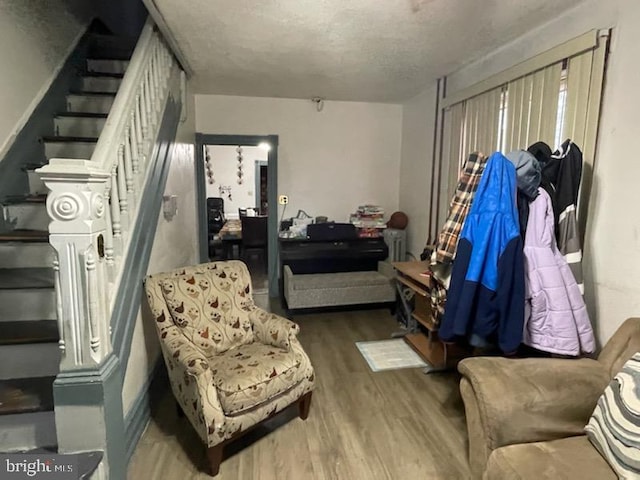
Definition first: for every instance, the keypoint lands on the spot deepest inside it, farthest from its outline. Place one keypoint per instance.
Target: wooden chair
(215, 221)
(219, 348)
(254, 236)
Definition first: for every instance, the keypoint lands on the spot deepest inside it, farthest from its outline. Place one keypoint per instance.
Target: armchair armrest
(510, 401)
(272, 329)
(193, 386)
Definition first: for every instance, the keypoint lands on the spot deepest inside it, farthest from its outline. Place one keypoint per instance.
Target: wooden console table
(421, 330)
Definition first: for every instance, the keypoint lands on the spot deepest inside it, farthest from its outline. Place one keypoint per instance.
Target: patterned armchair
(230, 363)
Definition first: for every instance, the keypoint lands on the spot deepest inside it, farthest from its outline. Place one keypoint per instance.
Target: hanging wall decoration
(240, 175)
(225, 190)
(209, 166)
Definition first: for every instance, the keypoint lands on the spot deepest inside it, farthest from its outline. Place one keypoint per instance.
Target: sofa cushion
(212, 307)
(564, 459)
(614, 427)
(252, 374)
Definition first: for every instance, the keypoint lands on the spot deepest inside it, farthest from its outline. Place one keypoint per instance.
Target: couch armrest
(527, 400)
(272, 329)
(193, 386)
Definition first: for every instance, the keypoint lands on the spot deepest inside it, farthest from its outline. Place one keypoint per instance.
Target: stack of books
(369, 220)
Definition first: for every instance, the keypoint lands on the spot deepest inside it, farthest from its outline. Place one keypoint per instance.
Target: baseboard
(139, 414)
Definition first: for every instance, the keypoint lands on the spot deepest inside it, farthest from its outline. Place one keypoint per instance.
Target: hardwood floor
(392, 425)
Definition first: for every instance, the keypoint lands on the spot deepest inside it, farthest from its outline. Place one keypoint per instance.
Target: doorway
(241, 191)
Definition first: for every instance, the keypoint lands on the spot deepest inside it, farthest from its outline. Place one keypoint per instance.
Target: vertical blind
(551, 97)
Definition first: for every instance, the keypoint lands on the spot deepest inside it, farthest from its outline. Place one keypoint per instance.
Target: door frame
(203, 139)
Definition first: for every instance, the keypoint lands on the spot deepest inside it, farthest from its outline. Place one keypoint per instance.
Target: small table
(230, 234)
(412, 280)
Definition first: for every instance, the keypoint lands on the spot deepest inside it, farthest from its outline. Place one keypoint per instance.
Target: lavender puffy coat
(556, 320)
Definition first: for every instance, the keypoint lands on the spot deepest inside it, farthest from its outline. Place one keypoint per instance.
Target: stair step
(25, 236)
(79, 125)
(83, 114)
(31, 199)
(25, 431)
(90, 102)
(26, 395)
(36, 185)
(111, 46)
(69, 147)
(27, 294)
(101, 83)
(27, 419)
(36, 331)
(29, 360)
(15, 254)
(29, 349)
(26, 215)
(107, 65)
(19, 278)
(27, 304)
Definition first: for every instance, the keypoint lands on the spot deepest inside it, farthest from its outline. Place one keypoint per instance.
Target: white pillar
(76, 206)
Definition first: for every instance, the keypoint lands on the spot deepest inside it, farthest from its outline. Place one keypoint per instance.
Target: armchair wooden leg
(214, 455)
(304, 404)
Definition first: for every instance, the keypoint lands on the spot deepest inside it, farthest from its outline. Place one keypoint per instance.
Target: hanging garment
(486, 295)
(528, 180)
(558, 320)
(459, 207)
(561, 175)
(447, 244)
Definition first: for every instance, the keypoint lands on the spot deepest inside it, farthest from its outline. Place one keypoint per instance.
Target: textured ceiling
(364, 50)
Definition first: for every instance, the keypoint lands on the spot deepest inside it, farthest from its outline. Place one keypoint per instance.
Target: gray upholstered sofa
(526, 417)
(315, 290)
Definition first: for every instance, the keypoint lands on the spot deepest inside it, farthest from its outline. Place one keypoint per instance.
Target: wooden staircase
(29, 353)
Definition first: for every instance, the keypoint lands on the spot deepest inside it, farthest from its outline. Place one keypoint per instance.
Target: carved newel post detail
(78, 212)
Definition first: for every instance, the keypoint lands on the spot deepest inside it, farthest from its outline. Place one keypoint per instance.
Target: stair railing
(93, 203)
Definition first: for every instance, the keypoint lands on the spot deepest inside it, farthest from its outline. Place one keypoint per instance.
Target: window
(549, 98)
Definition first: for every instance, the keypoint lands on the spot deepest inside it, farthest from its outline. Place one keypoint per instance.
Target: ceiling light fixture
(319, 101)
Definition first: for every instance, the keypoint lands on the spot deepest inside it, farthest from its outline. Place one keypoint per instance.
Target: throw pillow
(614, 426)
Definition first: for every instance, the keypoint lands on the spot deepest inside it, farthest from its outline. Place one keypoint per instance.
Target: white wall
(329, 162)
(37, 37)
(175, 245)
(224, 160)
(418, 116)
(612, 243)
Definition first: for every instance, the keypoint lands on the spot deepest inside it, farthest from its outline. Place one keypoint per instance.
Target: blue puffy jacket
(485, 302)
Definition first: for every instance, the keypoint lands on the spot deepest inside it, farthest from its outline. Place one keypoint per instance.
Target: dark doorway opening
(264, 199)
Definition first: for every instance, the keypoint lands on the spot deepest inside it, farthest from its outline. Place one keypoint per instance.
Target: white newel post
(78, 232)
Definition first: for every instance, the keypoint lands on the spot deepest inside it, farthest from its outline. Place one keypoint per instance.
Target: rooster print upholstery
(230, 363)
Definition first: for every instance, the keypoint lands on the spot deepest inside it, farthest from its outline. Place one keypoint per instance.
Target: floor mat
(389, 355)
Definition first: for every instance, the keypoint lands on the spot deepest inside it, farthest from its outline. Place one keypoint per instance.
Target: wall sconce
(169, 206)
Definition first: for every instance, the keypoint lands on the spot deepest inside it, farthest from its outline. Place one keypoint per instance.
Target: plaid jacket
(459, 207)
(445, 249)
